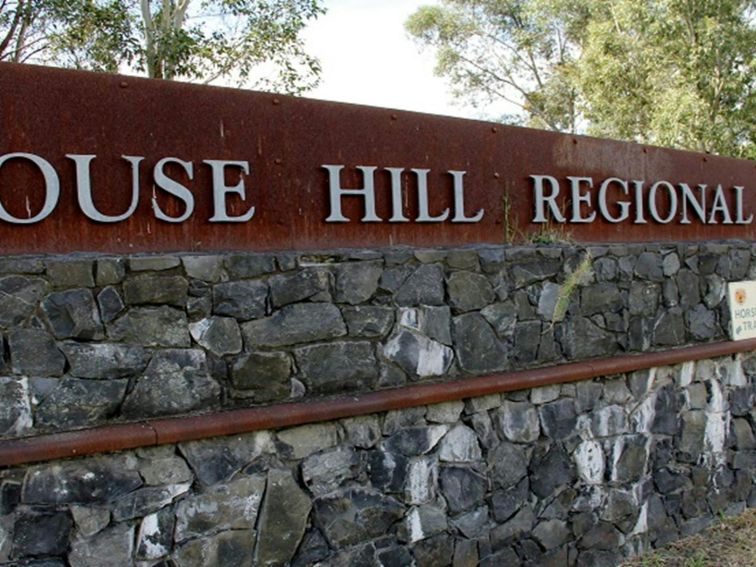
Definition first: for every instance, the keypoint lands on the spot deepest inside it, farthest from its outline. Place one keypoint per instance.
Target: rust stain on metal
(175, 430)
(53, 112)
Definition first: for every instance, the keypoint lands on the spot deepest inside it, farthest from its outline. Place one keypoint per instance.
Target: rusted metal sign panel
(92, 162)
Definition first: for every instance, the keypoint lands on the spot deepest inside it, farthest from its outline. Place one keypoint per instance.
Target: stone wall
(92, 340)
(578, 474)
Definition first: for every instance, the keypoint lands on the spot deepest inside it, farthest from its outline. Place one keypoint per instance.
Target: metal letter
(541, 199)
(720, 206)
(220, 190)
(578, 198)
(336, 191)
(739, 207)
(639, 218)
(174, 188)
(459, 200)
(653, 211)
(698, 206)
(397, 206)
(422, 199)
(623, 205)
(84, 188)
(52, 189)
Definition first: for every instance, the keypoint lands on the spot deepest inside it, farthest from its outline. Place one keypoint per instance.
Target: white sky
(368, 58)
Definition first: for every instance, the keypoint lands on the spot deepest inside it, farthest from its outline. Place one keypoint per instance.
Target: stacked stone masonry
(578, 474)
(86, 341)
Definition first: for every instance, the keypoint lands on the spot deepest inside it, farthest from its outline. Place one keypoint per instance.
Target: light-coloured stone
(308, 439)
(459, 445)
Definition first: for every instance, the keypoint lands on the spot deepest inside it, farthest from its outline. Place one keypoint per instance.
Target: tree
(173, 39)
(671, 72)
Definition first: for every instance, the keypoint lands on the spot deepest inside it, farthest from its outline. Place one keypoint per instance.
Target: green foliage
(196, 40)
(574, 280)
(677, 73)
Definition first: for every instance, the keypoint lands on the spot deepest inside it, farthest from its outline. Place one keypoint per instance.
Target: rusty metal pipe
(180, 429)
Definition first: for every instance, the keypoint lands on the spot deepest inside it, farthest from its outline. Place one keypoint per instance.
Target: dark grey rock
(508, 464)
(112, 546)
(368, 321)
(355, 515)
(110, 271)
(15, 406)
(250, 265)
(387, 471)
(588, 395)
(356, 282)
(104, 360)
(283, 519)
(155, 289)
(70, 273)
(581, 338)
(230, 547)
(502, 317)
(550, 470)
(74, 402)
(505, 503)
(463, 260)
(425, 286)
(324, 472)
(473, 524)
(600, 298)
(469, 291)
(644, 298)
(110, 303)
(463, 488)
(242, 300)
(19, 297)
(154, 263)
(203, 267)
(548, 299)
(413, 441)
(219, 335)
(233, 505)
(90, 520)
(314, 548)
(478, 350)
(21, 265)
(513, 529)
(715, 291)
(423, 522)
(527, 340)
(632, 462)
(693, 430)
(393, 278)
(433, 322)
(529, 273)
(147, 501)
(152, 326)
(302, 285)
(337, 367)
(96, 480)
(155, 536)
(436, 551)
(688, 285)
(649, 267)
(551, 533)
(669, 402)
(33, 353)
(73, 314)
(418, 355)
(175, 381)
(216, 460)
(41, 534)
(559, 418)
(265, 375)
(518, 422)
(298, 323)
(492, 260)
(702, 322)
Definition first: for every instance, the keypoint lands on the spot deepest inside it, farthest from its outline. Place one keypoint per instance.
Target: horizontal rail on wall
(179, 429)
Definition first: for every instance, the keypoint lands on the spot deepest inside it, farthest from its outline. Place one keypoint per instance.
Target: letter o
(52, 188)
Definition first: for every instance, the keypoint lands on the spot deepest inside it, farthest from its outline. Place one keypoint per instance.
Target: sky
(368, 58)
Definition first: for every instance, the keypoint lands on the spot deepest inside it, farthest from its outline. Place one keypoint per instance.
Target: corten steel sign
(93, 162)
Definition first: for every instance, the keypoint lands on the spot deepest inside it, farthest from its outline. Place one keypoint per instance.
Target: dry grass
(729, 543)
